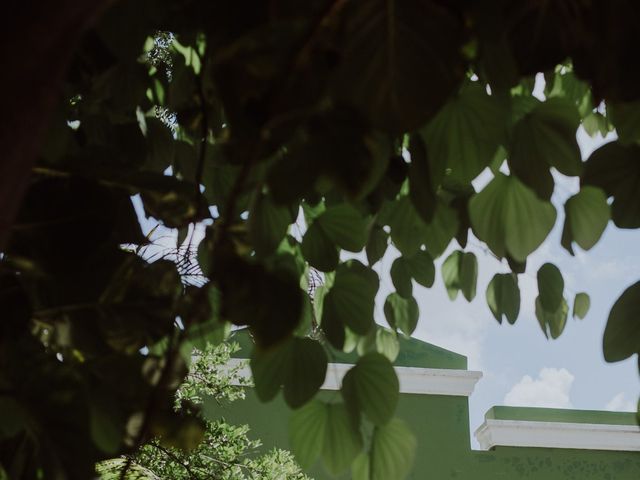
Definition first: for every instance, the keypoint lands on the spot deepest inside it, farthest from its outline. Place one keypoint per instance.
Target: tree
(296, 131)
(208, 380)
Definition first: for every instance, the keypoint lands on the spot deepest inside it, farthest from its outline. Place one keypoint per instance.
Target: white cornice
(589, 436)
(425, 381)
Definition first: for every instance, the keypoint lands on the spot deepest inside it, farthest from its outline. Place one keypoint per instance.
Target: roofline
(414, 380)
(586, 436)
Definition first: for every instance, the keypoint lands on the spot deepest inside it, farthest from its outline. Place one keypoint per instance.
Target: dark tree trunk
(36, 43)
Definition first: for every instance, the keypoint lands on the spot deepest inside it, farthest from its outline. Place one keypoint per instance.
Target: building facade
(516, 443)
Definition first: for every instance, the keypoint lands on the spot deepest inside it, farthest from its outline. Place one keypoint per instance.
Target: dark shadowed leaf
(377, 245)
(616, 169)
(401, 277)
(350, 302)
(550, 287)
(586, 216)
(422, 269)
(401, 60)
(402, 313)
(622, 334)
(318, 249)
(268, 224)
(503, 297)
(298, 364)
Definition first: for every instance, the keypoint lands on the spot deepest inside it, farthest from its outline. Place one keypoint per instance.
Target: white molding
(587, 436)
(425, 381)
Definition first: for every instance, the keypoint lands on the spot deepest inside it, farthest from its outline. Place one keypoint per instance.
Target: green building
(516, 443)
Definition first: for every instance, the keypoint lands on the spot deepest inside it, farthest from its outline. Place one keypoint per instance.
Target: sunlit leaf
(460, 273)
(341, 443)
(372, 386)
(581, 305)
(510, 218)
(307, 432)
(552, 323)
(466, 132)
(393, 448)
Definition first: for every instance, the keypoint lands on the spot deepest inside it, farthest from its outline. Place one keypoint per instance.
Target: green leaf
(298, 364)
(424, 179)
(503, 297)
(460, 273)
(307, 371)
(377, 245)
(268, 224)
(567, 85)
(401, 277)
(421, 268)
(106, 430)
(550, 287)
(466, 132)
(626, 118)
(398, 64)
(587, 214)
(318, 249)
(510, 218)
(439, 233)
(341, 442)
(581, 305)
(622, 334)
(595, 123)
(615, 168)
(350, 302)
(407, 228)
(307, 429)
(344, 226)
(13, 417)
(372, 387)
(402, 313)
(361, 466)
(552, 323)
(387, 343)
(393, 449)
(547, 135)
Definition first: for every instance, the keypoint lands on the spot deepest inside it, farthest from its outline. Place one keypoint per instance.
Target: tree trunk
(36, 45)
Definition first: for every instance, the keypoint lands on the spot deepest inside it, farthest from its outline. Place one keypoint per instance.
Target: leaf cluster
(297, 131)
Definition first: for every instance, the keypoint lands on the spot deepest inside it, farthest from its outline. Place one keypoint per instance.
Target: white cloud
(551, 389)
(620, 403)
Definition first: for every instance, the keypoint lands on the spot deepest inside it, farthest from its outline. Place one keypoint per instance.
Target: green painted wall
(441, 425)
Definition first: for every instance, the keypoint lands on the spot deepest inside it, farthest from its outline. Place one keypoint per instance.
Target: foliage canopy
(297, 131)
